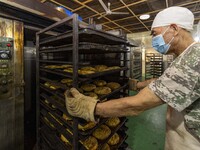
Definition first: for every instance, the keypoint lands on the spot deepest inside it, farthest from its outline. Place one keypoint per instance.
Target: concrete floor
(147, 131)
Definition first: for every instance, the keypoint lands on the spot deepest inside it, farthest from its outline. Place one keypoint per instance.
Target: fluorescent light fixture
(145, 17)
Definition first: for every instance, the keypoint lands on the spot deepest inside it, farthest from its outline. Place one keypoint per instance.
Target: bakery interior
(49, 46)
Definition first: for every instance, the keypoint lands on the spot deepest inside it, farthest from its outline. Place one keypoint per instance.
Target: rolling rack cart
(136, 64)
(74, 46)
(153, 65)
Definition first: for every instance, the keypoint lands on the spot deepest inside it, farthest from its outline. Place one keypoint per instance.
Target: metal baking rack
(52, 140)
(85, 35)
(86, 47)
(63, 110)
(50, 144)
(58, 126)
(136, 64)
(153, 65)
(75, 46)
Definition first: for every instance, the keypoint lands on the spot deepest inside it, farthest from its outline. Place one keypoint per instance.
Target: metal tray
(113, 131)
(83, 134)
(61, 85)
(85, 47)
(85, 35)
(52, 140)
(56, 93)
(97, 74)
(61, 62)
(60, 94)
(59, 127)
(114, 92)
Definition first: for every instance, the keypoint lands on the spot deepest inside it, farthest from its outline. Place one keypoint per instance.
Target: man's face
(166, 31)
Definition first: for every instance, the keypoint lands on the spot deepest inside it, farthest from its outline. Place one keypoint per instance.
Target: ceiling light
(60, 9)
(145, 17)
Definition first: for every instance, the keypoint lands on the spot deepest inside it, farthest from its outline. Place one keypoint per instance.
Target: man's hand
(133, 84)
(79, 105)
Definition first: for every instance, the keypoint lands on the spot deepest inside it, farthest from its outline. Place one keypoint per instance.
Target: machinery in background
(6, 67)
(11, 84)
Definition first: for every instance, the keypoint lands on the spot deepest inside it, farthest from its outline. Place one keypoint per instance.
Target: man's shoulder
(194, 50)
(188, 60)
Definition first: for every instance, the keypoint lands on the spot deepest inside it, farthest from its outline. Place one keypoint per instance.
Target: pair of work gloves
(79, 105)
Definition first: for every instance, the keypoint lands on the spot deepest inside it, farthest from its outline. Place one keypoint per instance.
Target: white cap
(181, 16)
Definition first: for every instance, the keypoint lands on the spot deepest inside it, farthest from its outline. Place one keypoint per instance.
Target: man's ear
(176, 28)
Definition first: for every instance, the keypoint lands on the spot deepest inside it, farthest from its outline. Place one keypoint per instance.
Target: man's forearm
(117, 108)
(128, 106)
(141, 85)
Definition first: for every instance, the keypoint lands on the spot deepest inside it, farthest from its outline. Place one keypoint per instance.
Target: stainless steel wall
(12, 108)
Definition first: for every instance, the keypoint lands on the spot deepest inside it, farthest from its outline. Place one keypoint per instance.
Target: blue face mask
(159, 44)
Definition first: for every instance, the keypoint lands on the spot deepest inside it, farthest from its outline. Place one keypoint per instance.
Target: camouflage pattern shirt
(179, 87)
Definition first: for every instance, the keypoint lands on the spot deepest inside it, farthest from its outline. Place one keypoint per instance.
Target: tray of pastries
(86, 71)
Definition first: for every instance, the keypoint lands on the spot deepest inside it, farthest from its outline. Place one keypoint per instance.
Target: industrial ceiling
(130, 23)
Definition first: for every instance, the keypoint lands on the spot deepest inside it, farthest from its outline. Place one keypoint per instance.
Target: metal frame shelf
(136, 65)
(153, 65)
(69, 47)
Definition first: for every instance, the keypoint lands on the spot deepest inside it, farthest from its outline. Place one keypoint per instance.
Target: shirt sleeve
(179, 85)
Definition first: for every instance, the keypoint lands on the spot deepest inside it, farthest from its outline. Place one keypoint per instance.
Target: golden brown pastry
(47, 84)
(46, 101)
(51, 86)
(88, 126)
(112, 68)
(100, 83)
(102, 90)
(63, 138)
(91, 94)
(66, 66)
(101, 68)
(53, 106)
(54, 87)
(102, 132)
(91, 143)
(88, 68)
(52, 67)
(69, 70)
(114, 139)
(113, 122)
(48, 122)
(67, 81)
(88, 87)
(105, 147)
(113, 85)
(85, 72)
(67, 118)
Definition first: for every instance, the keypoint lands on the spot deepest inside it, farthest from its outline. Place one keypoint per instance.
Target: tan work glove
(133, 84)
(79, 105)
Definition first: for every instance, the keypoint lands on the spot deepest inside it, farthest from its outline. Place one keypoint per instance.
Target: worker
(178, 86)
